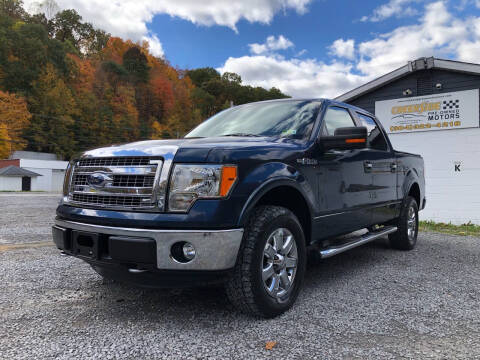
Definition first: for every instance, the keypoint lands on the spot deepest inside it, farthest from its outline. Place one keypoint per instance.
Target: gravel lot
(372, 302)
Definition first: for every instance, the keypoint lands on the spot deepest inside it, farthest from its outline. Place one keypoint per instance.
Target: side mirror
(346, 138)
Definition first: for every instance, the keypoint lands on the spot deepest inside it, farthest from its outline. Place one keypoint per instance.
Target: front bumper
(146, 248)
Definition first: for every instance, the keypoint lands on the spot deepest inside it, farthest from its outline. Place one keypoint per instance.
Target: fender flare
(411, 178)
(265, 187)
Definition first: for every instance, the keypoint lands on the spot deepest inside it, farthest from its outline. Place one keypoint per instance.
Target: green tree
(67, 27)
(13, 9)
(201, 76)
(135, 63)
(53, 107)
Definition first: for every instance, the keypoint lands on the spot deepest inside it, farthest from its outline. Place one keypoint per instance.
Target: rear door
(382, 165)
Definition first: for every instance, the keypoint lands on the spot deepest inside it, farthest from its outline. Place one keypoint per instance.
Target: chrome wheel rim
(279, 267)
(411, 223)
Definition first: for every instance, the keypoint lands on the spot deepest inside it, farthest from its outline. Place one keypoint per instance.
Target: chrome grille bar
(114, 161)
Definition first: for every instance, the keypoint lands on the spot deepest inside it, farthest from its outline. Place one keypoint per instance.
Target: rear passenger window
(335, 118)
(376, 139)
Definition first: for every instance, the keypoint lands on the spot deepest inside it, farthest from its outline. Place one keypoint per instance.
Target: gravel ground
(372, 302)
(26, 217)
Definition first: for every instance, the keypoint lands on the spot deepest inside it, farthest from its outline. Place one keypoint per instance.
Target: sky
(306, 48)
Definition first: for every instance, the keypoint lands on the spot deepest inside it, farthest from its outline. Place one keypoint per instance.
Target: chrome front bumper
(215, 249)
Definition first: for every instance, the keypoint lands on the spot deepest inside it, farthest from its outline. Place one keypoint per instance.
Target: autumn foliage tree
(14, 118)
(75, 87)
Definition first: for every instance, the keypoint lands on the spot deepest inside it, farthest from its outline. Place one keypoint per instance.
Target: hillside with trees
(66, 86)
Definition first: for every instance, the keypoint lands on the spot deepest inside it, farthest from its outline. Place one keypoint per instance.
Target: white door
(57, 180)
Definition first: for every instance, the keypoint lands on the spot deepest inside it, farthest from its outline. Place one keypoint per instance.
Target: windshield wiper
(243, 134)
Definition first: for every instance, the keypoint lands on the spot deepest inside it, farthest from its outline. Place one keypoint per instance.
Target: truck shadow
(185, 305)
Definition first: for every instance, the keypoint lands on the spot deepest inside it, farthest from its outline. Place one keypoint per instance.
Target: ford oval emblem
(98, 180)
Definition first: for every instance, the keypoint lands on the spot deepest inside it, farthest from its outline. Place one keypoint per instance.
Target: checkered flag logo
(451, 104)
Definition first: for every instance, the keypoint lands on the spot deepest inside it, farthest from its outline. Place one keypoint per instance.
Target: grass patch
(468, 229)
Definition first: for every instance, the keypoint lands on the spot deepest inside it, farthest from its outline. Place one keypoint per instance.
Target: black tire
(405, 238)
(246, 289)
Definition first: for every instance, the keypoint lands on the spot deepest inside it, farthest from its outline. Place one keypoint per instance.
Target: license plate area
(85, 244)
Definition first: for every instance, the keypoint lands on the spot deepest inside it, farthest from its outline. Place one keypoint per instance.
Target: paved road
(372, 302)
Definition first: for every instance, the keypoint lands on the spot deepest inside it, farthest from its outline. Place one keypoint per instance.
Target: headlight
(192, 182)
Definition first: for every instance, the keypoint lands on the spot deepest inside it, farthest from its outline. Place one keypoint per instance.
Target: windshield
(291, 118)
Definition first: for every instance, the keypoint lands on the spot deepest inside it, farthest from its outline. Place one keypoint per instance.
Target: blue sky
(189, 45)
(304, 47)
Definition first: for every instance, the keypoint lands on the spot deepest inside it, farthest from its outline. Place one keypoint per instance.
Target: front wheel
(270, 268)
(405, 238)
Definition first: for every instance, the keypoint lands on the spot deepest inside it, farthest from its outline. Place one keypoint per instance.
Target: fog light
(182, 252)
(188, 251)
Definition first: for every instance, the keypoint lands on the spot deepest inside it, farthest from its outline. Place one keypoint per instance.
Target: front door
(344, 182)
(26, 183)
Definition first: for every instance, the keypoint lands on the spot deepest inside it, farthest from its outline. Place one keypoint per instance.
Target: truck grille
(123, 182)
(120, 180)
(124, 201)
(120, 161)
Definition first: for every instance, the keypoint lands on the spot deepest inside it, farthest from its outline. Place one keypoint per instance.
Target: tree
(53, 107)
(6, 144)
(232, 78)
(86, 89)
(135, 63)
(201, 76)
(13, 9)
(48, 8)
(14, 118)
(67, 27)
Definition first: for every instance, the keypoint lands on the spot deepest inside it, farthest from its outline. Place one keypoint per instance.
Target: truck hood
(196, 149)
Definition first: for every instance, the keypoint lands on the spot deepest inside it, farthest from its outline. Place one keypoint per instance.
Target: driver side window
(336, 117)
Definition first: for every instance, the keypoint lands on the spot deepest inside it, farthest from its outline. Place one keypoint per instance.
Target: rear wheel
(271, 264)
(406, 236)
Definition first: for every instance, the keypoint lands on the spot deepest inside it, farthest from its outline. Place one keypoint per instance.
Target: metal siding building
(452, 155)
(50, 170)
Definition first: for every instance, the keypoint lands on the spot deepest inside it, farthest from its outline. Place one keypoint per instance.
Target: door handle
(393, 167)
(368, 166)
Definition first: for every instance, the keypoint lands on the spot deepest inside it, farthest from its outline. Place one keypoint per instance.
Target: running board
(370, 236)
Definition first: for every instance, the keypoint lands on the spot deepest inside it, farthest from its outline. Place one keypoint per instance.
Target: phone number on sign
(444, 124)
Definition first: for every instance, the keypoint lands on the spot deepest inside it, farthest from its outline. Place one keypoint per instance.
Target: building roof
(33, 155)
(16, 171)
(411, 66)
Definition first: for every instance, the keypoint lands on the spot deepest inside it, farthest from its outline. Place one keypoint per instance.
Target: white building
(13, 178)
(49, 171)
(431, 107)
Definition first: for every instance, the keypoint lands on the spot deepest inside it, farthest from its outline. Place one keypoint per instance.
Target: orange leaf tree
(14, 118)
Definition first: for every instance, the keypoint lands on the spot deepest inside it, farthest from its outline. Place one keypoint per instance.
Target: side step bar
(332, 251)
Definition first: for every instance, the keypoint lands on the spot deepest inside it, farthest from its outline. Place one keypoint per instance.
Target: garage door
(452, 172)
(57, 180)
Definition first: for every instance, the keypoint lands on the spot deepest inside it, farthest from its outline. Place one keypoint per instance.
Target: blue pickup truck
(241, 199)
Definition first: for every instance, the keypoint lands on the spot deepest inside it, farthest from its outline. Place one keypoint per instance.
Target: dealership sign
(444, 111)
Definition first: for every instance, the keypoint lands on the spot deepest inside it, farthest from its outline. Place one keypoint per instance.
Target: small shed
(50, 171)
(14, 178)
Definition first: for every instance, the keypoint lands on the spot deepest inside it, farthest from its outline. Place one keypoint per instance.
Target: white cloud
(129, 18)
(300, 78)
(343, 48)
(397, 8)
(437, 33)
(271, 45)
(303, 52)
(155, 46)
